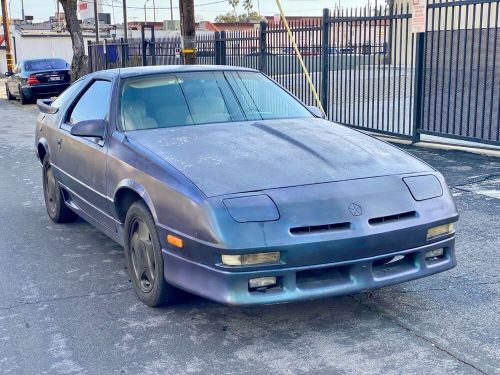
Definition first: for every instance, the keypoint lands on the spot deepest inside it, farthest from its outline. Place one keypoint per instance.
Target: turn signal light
(32, 80)
(175, 241)
(439, 231)
(251, 259)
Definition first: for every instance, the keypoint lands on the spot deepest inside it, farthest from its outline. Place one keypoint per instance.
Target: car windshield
(46, 64)
(204, 97)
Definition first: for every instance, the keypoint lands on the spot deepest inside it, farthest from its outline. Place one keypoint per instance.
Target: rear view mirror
(317, 112)
(44, 106)
(89, 128)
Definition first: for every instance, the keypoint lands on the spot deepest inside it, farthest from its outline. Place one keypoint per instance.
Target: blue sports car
(219, 182)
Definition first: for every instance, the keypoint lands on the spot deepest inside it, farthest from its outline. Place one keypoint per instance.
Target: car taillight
(32, 80)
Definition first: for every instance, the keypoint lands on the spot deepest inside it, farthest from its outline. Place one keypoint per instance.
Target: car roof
(148, 70)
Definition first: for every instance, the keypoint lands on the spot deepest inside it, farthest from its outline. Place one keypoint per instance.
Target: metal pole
(58, 16)
(325, 72)
(263, 47)
(171, 11)
(96, 22)
(419, 87)
(154, 11)
(188, 31)
(125, 21)
(22, 10)
(6, 33)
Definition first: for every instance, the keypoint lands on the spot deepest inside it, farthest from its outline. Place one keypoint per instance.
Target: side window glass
(93, 104)
(68, 94)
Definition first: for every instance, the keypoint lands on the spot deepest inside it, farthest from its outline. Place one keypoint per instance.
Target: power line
(142, 8)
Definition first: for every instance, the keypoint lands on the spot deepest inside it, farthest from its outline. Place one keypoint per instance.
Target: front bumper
(307, 282)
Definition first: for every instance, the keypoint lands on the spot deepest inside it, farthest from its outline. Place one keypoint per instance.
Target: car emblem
(355, 209)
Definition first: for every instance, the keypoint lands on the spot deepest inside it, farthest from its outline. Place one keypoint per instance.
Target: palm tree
(248, 6)
(234, 4)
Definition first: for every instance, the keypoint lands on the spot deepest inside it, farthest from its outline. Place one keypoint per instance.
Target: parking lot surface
(67, 307)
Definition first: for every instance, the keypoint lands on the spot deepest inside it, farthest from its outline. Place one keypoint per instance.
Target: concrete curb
(442, 146)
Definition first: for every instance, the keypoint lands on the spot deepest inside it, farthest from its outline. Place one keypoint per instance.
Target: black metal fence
(462, 70)
(371, 71)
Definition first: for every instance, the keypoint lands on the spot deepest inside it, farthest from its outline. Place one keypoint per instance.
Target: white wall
(34, 47)
(3, 61)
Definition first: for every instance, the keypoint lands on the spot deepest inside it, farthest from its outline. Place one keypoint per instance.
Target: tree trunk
(79, 65)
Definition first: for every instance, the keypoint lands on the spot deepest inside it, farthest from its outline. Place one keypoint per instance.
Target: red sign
(83, 6)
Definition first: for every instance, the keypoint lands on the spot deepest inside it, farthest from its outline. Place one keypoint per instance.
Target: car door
(81, 161)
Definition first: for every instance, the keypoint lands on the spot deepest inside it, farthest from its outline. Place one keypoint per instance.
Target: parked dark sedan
(37, 78)
(219, 182)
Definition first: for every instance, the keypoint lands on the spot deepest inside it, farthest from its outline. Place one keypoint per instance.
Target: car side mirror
(44, 106)
(317, 112)
(89, 128)
(8, 74)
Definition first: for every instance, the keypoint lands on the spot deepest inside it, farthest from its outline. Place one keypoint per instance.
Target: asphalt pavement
(67, 307)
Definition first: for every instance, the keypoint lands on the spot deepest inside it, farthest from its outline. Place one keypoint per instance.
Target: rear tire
(144, 258)
(54, 200)
(9, 95)
(24, 100)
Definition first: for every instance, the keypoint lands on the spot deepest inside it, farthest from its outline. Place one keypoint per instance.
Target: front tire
(54, 200)
(144, 258)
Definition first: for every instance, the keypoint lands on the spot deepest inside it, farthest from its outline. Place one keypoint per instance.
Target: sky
(205, 9)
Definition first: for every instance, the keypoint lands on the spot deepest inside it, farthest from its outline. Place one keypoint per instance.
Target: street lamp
(145, 16)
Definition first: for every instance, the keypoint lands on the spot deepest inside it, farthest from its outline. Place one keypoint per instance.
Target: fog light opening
(262, 283)
(434, 254)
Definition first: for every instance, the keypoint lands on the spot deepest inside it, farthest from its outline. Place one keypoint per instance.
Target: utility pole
(96, 22)
(188, 31)
(22, 10)
(125, 21)
(171, 11)
(58, 17)
(154, 12)
(6, 34)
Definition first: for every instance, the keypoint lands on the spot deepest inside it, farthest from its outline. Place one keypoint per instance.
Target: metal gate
(371, 54)
(462, 70)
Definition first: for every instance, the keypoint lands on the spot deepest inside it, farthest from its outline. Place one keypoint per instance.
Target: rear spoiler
(44, 105)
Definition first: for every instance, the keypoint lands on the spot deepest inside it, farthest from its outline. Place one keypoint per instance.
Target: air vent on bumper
(320, 228)
(392, 218)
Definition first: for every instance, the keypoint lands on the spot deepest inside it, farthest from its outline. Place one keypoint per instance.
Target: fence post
(105, 51)
(223, 37)
(89, 47)
(325, 69)
(122, 50)
(217, 48)
(419, 87)
(152, 46)
(144, 46)
(263, 47)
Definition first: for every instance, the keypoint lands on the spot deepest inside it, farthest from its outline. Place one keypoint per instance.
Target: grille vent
(392, 218)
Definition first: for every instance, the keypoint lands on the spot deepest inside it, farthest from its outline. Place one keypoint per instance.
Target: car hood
(250, 156)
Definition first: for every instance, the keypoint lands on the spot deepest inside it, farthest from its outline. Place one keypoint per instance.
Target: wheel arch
(128, 192)
(42, 149)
